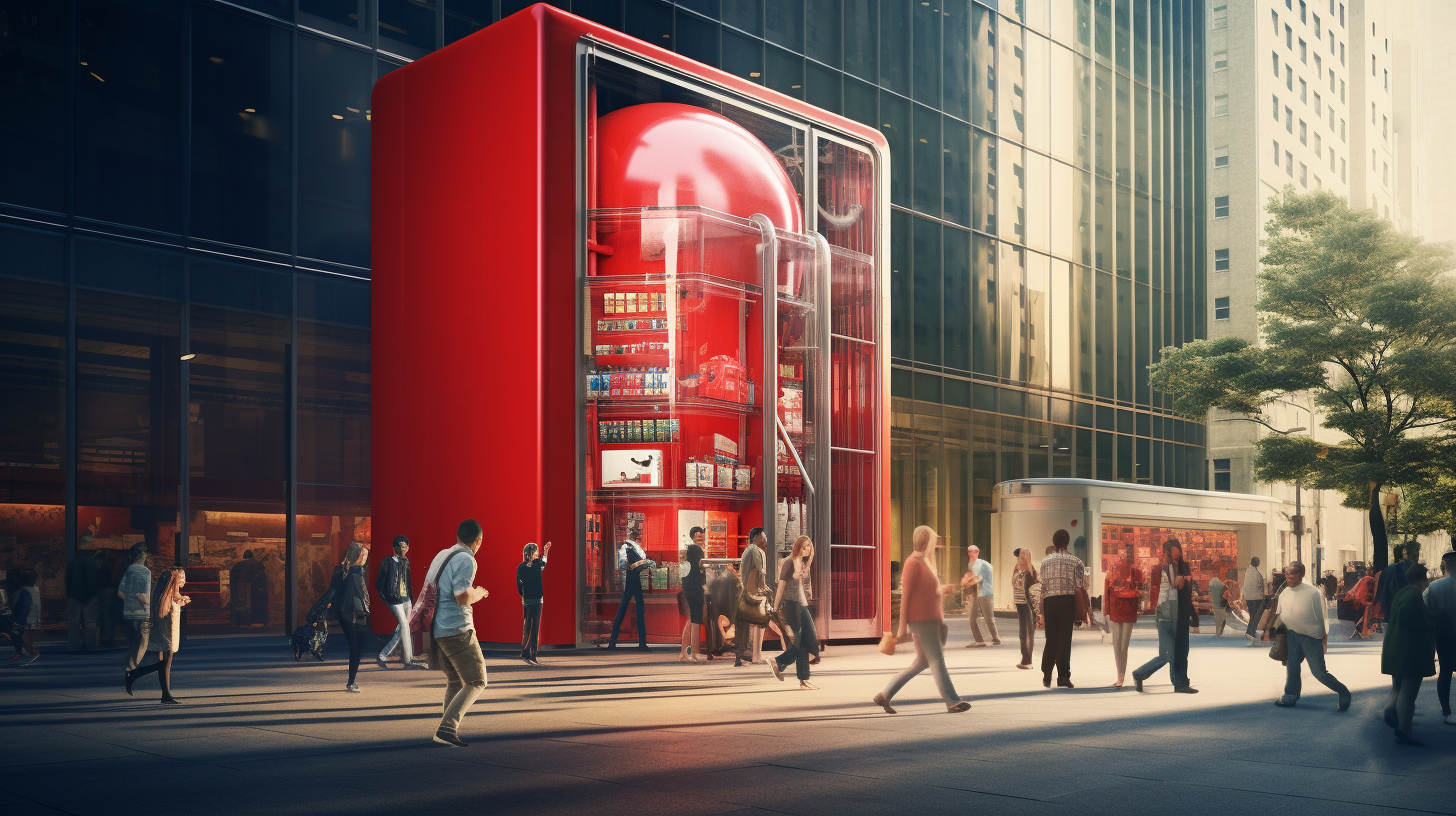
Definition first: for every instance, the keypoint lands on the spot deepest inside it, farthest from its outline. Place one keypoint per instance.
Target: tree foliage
(1364, 318)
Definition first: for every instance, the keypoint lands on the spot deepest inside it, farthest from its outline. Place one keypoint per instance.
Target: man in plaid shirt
(1062, 574)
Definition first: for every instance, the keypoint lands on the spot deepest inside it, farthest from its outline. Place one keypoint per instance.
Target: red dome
(666, 154)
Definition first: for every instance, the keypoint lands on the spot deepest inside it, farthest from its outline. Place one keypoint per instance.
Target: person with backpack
(453, 647)
(528, 584)
(393, 585)
(349, 601)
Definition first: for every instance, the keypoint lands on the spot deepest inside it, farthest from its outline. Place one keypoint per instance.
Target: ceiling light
(84, 62)
(667, 36)
(188, 356)
(250, 110)
(338, 116)
(796, 87)
(98, 77)
(753, 73)
(215, 60)
(351, 110)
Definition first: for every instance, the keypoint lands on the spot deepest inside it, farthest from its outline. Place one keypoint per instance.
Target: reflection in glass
(983, 67)
(242, 129)
(927, 290)
(956, 166)
(129, 112)
(1038, 205)
(1037, 91)
(983, 181)
(407, 27)
(333, 143)
(822, 42)
(1011, 84)
(1061, 325)
(985, 332)
(1081, 328)
(861, 47)
(956, 298)
(928, 161)
(1011, 178)
(925, 62)
(895, 124)
(1124, 339)
(1038, 319)
(1104, 317)
(895, 45)
(1011, 281)
(956, 69)
(34, 124)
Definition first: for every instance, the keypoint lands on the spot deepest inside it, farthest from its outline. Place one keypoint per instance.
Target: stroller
(311, 636)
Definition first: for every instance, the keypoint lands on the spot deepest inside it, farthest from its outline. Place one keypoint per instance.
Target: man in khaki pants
(980, 597)
(454, 647)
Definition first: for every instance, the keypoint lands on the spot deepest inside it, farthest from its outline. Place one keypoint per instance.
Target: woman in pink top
(921, 613)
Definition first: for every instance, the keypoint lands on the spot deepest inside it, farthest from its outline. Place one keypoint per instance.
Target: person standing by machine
(528, 584)
(631, 561)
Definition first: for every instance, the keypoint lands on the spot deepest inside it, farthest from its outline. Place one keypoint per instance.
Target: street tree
(1361, 316)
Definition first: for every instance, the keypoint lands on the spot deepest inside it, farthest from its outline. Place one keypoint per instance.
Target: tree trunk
(1380, 557)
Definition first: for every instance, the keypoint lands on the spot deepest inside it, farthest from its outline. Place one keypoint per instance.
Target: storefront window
(32, 424)
(1209, 553)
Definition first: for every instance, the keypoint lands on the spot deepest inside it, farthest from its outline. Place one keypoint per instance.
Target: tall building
(1436, 24)
(184, 257)
(1314, 96)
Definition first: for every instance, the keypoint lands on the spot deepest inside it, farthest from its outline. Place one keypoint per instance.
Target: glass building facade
(184, 257)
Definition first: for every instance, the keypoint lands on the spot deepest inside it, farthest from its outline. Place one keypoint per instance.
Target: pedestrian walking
(25, 612)
(453, 647)
(1122, 590)
(1254, 599)
(1441, 607)
(1023, 578)
(83, 578)
(631, 561)
(135, 590)
(1175, 616)
(1394, 578)
(1304, 614)
(752, 567)
(1062, 575)
(791, 599)
(1218, 604)
(349, 602)
(979, 591)
(393, 586)
(166, 633)
(923, 617)
(1408, 653)
(529, 585)
(694, 590)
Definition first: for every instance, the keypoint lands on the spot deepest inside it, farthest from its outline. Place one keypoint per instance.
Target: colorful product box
(743, 478)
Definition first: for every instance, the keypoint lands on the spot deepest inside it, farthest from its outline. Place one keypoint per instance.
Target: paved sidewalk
(599, 733)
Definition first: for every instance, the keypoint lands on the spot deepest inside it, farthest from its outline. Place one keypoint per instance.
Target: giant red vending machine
(619, 294)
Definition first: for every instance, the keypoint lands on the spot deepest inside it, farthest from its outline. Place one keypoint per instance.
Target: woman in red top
(921, 613)
(1122, 591)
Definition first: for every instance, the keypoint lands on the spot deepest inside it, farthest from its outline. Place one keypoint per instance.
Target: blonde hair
(173, 593)
(921, 538)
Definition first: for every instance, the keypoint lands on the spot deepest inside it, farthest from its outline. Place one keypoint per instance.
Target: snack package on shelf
(743, 478)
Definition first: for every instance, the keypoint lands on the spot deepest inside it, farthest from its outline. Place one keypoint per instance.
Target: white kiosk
(1219, 531)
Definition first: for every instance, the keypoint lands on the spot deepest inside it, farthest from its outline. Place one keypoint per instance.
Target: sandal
(880, 701)
(806, 685)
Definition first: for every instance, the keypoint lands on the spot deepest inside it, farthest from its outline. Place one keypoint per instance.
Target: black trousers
(1256, 611)
(1059, 610)
(530, 630)
(631, 591)
(163, 668)
(1026, 620)
(806, 639)
(351, 634)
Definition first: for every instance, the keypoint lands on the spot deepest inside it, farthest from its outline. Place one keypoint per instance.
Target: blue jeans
(806, 640)
(1168, 655)
(1306, 648)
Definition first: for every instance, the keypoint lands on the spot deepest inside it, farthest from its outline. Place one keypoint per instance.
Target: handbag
(1083, 606)
(887, 644)
(1279, 648)
(753, 609)
(422, 616)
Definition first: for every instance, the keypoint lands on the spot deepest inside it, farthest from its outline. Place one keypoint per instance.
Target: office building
(196, 186)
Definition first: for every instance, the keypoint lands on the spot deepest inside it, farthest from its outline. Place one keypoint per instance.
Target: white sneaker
(1451, 719)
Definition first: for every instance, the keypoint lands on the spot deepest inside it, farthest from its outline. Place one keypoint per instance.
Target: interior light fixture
(188, 356)
(338, 116)
(84, 62)
(98, 77)
(250, 110)
(351, 110)
(215, 60)
(753, 73)
(794, 86)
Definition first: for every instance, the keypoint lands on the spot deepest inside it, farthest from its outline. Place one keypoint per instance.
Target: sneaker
(171, 701)
(1137, 682)
(1451, 719)
(1286, 701)
(773, 666)
(32, 659)
(449, 738)
(1185, 690)
(353, 688)
(416, 664)
(1344, 704)
(1067, 683)
(380, 661)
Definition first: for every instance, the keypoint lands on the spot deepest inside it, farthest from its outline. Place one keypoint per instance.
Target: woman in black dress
(693, 591)
(349, 601)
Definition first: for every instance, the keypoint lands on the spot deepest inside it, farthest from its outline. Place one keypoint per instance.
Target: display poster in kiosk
(632, 468)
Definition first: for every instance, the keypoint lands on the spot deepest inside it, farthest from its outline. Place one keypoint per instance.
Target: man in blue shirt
(979, 591)
(454, 647)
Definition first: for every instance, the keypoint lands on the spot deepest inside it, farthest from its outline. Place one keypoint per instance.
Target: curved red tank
(668, 154)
